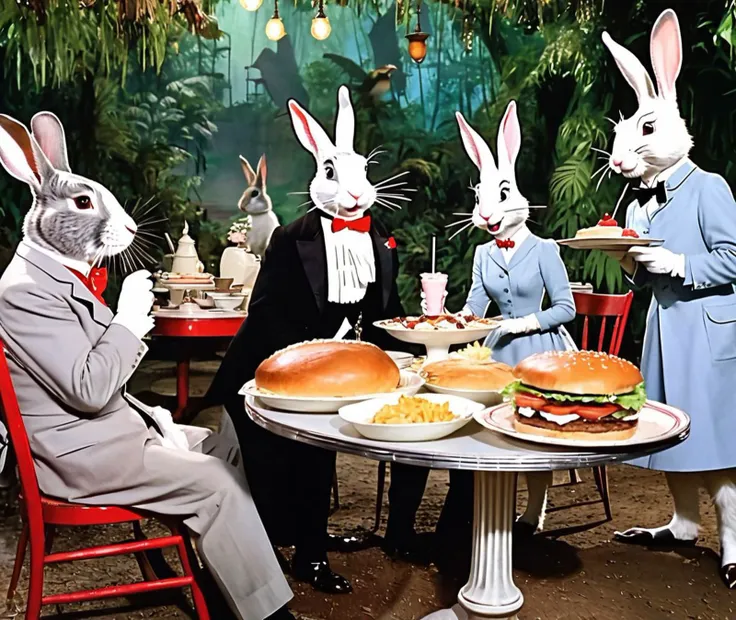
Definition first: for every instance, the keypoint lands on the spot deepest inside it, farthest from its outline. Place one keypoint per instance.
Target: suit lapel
(312, 254)
(677, 180)
(497, 257)
(384, 266)
(99, 312)
(526, 246)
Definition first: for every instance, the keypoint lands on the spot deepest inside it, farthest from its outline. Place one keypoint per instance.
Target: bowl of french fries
(425, 417)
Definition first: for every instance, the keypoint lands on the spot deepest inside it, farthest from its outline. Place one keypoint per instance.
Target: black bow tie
(644, 194)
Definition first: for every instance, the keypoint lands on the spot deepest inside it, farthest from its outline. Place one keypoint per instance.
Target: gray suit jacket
(69, 365)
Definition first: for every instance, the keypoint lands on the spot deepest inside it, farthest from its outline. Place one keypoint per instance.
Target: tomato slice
(596, 412)
(559, 409)
(529, 400)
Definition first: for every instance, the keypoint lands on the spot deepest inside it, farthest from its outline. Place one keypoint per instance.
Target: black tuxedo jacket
(289, 303)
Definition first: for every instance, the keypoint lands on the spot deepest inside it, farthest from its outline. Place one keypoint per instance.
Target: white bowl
(205, 302)
(361, 414)
(485, 397)
(400, 358)
(229, 302)
(409, 384)
(437, 341)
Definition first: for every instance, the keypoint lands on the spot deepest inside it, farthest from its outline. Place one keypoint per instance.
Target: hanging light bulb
(275, 27)
(251, 5)
(321, 27)
(418, 40)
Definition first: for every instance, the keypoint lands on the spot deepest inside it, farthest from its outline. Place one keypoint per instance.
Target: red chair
(41, 514)
(613, 312)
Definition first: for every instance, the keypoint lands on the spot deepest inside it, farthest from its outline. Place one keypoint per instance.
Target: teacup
(223, 285)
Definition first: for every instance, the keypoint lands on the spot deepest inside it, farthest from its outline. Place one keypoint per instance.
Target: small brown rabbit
(256, 202)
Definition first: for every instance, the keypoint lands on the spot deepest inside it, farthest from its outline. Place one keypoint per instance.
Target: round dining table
(496, 460)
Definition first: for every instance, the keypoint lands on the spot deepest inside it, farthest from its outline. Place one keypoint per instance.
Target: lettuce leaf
(631, 401)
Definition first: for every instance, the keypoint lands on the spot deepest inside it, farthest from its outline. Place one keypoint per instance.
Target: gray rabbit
(256, 202)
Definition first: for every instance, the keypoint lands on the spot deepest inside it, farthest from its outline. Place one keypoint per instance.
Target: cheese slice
(559, 419)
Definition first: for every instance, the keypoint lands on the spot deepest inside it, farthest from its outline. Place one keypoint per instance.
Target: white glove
(660, 261)
(135, 303)
(523, 325)
(172, 435)
(423, 303)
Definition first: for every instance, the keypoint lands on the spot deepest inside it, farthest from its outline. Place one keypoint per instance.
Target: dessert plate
(610, 243)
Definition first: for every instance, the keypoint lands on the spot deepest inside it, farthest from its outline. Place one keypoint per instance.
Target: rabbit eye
(254, 193)
(504, 194)
(647, 129)
(330, 170)
(83, 202)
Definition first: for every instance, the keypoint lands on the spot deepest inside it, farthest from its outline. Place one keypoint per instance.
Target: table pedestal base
(490, 591)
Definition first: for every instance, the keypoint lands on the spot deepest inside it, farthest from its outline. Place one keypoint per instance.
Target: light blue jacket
(689, 355)
(518, 289)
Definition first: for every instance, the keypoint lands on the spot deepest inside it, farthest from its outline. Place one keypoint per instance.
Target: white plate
(409, 385)
(437, 341)
(485, 397)
(361, 414)
(400, 358)
(657, 422)
(609, 243)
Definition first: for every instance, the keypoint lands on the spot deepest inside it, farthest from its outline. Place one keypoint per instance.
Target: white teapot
(186, 259)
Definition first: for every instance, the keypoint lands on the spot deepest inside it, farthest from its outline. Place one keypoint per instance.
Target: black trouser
(291, 485)
(405, 495)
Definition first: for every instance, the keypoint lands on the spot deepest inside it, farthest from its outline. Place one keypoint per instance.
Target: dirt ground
(575, 575)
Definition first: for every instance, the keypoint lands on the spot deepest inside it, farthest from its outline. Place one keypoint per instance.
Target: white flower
(239, 230)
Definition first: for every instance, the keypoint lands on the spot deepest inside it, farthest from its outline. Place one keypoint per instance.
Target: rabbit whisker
(138, 244)
(297, 193)
(620, 199)
(394, 197)
(387, 203)
(398, 185)
(150, 222)
(463, 213)
(641, 148)
(312, 208)
(304, 204)
(144, 205)
(603, 177)
(147, 233)
(459, 230)
(592, 148)
(396, 176)
(610, 120)
(597, 172)
(375, 150)
(620, 116)
(465, 221)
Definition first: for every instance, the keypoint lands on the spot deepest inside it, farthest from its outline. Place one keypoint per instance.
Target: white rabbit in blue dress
(689, 356)
(515, 270)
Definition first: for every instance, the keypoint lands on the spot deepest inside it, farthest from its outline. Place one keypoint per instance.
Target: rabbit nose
(617, 162)
(354, 197)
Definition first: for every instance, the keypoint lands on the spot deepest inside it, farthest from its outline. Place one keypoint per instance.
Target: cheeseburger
(577, 395)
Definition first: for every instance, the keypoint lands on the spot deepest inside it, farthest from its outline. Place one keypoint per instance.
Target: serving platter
(438, 341)
(410, 383)
(361, 414)
(657, 422)
(620, 244)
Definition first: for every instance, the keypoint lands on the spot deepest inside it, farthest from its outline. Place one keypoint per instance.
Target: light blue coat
(518, 289)
(689, 355)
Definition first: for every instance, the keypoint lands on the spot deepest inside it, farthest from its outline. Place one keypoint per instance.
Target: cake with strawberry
(607, 228)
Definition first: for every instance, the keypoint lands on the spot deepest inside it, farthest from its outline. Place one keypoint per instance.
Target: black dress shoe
(321, 578)
(728, 574)
(523, 531)
(347, 544)
(647, 538)
(415, 548)
(282, 614)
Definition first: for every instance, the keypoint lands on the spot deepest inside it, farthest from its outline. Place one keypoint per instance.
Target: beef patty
(606, 425)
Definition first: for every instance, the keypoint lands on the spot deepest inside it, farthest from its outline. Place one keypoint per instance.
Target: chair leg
(575, 477)
(35, 583)
(50, 535)
(600, 474)
(185, 551)
(379, 495)
(335, 492)
(20, 556)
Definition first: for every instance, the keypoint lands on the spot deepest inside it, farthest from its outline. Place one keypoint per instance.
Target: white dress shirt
(351, 264)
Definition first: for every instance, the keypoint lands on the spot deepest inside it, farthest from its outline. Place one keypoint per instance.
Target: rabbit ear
(262, 172)
(666, 52)
(475, 146)
(250, 176)
(631, 68)
(17, 152)
(345, 122)
(509, 136)
(309, 132)
(49, 134)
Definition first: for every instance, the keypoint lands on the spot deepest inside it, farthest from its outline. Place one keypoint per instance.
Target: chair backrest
(613, 308)
(10, 412)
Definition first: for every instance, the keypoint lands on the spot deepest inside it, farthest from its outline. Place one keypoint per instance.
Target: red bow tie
(362, 224)
(96, 281)
(505, 243)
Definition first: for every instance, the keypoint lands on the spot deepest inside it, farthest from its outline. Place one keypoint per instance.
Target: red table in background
(196, 326)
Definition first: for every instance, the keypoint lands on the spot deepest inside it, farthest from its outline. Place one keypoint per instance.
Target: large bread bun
(465, 374)
(616, 435)
(578, 372)
(328, 368)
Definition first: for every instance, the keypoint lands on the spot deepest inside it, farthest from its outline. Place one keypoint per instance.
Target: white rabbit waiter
(689, 356)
